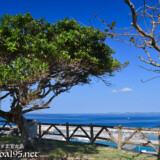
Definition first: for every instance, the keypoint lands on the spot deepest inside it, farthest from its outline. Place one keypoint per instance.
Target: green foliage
(31, 47)
(113, 24)
(132, 39)
(106, 30)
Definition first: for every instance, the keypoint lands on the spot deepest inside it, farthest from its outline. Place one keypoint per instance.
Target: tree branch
(149, 62)
(34, 109)
(5, 96)
(3, 114)
(150, 79)
(151, 70)
(138, 28)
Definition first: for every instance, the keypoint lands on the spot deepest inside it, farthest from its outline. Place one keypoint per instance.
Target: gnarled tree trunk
(25, 133)
(18, 119)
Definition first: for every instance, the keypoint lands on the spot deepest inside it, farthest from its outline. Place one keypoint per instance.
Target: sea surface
(146, 120)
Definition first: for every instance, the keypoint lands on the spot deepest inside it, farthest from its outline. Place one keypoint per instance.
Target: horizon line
(99, 113)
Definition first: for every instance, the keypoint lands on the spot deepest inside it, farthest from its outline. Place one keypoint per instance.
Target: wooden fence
(119, 135)
(6, 126)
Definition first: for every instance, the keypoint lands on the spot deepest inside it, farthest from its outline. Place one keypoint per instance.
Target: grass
(59, 150)
(4, 139)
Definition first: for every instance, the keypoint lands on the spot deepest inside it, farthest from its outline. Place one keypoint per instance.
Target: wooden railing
(8, 128)
(119, 135)
(4, 124)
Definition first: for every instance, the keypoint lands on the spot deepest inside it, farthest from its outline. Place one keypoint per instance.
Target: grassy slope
(52, 149)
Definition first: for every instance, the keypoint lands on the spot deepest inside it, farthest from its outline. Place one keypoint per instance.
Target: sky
(127, 93)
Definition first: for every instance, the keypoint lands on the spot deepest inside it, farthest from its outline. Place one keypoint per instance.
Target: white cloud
(126, 90)
(122, 90)
(114, 91)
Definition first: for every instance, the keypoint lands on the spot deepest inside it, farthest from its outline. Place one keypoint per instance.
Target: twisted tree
(39, 61)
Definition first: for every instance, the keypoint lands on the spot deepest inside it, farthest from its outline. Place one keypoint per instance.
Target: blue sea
(146, 120)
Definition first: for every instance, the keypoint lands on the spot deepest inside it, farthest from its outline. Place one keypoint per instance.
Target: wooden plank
(112, 137)
(128, 138)
(9, 124)
(102, 138)
(59, 131)
(67, 131)
(159, 141)
(119, 138)
(57, 124)
(85, 133)
(5, 129)
(54, 134)
(73, 132)
(91, 132)
(76, 135)
(46, 131)
(4, 125)
(144, 129)
(6, 122)
(149, 142)
(75, 125)
(136, 143)
(92, 141)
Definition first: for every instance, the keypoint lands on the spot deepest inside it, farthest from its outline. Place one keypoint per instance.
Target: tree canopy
(50, 57)
(30, 47)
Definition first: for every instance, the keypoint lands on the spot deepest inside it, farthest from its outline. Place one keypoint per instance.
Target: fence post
(91, 132)
(40, 130)
(159, 141)
(67, 131)
(119, 137)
